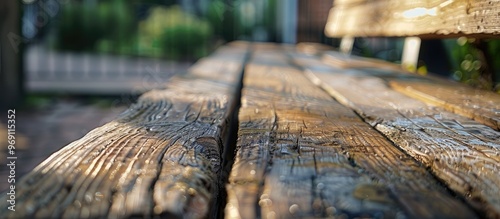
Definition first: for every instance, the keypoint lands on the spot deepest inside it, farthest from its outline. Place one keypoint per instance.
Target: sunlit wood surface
(461, 152)
(314, 138)
(341, 60)
(425, 18)
(302, 154)
(480, 105)
(477, 104)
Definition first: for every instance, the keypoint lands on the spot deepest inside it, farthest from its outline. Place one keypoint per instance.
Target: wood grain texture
(341, 60)
(300, 154)
(313, 48)
(425, 18)
(480, 105)
(161, 157)
(483, 106)
(464, 154)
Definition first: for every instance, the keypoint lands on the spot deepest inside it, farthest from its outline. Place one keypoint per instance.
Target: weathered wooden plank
(301, 154)
(349, 61)
(480, 105)
(161, 157)
(313, 48)
(462, 153)
(423, 18)
(483, 106)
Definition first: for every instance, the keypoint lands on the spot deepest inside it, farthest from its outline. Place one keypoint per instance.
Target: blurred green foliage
(494, 52)
(112, 26)
(173, 33)
(241, 19)
(224, 19)
(160, 28)
(471, 65)
(82, 26)
(37, 101)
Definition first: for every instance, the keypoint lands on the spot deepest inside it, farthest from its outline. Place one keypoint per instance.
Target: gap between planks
(301, 154)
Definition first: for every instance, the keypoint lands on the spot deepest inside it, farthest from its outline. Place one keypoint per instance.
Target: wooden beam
(302, 154)
(346, 44)
(161, 157)
(424, 18)
(342, 60)
(411, 50)
(313, 48)
(480, 105)
(463, 153)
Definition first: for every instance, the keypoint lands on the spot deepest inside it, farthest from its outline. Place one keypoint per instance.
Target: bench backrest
(422, 18)
(413, 20)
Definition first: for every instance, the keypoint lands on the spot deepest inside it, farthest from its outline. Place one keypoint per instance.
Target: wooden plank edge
(478, 202)
(461, 110)
(55, 157)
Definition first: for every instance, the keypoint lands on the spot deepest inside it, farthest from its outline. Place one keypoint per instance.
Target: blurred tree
(270, 20)
(173, 33)
(82, 25)
(223, 17)
(433, 55)
(243, 19)
(474, 63)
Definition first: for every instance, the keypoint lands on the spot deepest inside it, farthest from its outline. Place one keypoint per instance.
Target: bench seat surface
(317, 134)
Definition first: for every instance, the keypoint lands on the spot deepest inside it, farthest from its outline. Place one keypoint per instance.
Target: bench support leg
(346, 44)
(411, 50)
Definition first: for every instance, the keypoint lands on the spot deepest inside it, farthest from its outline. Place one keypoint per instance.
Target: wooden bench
(161, 157)
(263, 130)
